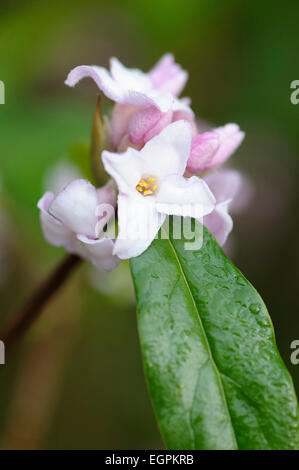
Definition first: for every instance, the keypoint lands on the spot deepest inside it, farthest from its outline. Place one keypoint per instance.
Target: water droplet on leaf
(254, 308)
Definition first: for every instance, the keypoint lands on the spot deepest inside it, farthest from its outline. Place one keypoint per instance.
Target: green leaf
(214, 373)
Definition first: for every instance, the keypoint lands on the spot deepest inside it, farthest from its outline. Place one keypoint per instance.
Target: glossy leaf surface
(214, 373)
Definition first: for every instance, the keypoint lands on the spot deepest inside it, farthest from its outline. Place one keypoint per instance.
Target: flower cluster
(159, 153)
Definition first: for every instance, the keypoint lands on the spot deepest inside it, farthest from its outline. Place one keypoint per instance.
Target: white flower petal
(138, 223)
(187, 197)
(75, 206)
(102, 78)
(137, 88)
(99, 252)
(54, 231)
(168, 152)
(162, 100)
(107, 194)
(125, 168)
(180, 105)
(125, 86)
(230, 185)
(224, 184)
(128, 78)
(220, 223)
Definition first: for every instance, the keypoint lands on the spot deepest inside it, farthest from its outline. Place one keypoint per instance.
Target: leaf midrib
(218, 373)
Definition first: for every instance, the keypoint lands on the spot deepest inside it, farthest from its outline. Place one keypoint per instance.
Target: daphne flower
(226, 186)
(131, 87)
(151, 185)
(211, 149)
(69, 220)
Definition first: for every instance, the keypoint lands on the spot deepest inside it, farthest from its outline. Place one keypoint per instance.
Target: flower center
(147, 186)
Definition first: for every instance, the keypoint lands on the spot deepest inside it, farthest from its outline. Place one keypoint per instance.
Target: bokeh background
(76, 381)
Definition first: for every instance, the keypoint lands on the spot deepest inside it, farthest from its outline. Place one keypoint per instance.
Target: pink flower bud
(203, 149)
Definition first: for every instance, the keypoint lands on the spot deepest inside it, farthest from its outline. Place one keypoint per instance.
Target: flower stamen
(147, 186)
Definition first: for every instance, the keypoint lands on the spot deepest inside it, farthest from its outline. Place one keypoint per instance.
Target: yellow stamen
(146, 186)
(143, 183)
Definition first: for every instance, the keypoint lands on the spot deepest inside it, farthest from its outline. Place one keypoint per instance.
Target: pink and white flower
(70, 220)
(151, 185)
(145, 102)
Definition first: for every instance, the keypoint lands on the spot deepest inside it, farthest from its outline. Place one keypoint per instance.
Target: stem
(98, 144)
(31, 310)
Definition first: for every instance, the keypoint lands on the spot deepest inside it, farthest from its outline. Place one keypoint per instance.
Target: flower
(151, 185)
(145, 102)
(157, 142)
(226, 186)
(211, 149)
(69, 220)
(131, 87)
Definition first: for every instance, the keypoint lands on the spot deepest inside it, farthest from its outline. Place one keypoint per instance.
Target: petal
(186, 116)
(167, 153)
(75, 206)
(168, 76)
(126, 142)
(62, 173)
(230, 138)
(107, 194)
(188, 197)
(125, 168)
(129, 78)
(125, 86)
(181, 106)
(137, 88)
(203, 149)
(220, 223)
(232, 186)
(121, 116)
(54, 231)
(164, 101)
(99, 252)
(138, 222)
(45, 201)
(101, 77)
(224, 184)
(142, 122)
(164, 121)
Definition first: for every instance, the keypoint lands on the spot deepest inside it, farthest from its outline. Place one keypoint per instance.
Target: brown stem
(31, 310)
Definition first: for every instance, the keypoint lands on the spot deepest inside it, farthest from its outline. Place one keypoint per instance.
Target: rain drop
(255, 308)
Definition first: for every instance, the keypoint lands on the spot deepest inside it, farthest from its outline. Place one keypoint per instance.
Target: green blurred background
(76, 381)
